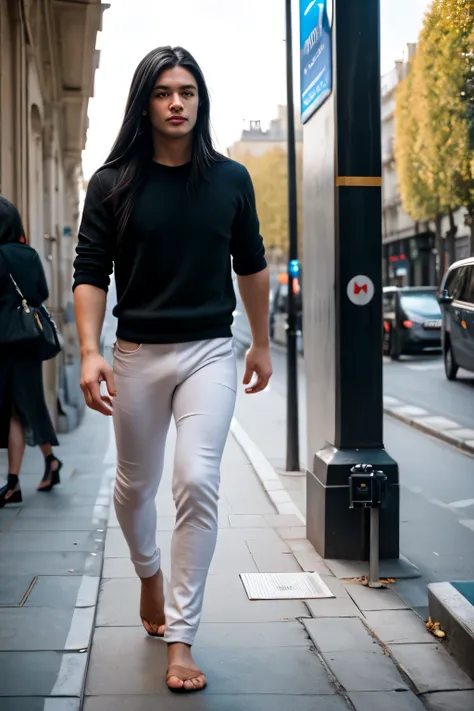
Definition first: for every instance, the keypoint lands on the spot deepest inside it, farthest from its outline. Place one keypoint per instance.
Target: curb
(269, 479)
(443, 436)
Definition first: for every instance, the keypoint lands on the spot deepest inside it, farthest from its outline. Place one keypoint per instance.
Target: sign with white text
(315, 54)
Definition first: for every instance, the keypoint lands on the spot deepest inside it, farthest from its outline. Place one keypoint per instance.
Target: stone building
(409, 251)
(256, 142)
(47, 65)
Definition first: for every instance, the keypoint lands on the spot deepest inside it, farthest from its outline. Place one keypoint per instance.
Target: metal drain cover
(284, 586)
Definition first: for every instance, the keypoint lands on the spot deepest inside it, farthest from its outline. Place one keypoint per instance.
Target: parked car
(411, 321)
(279, 311)
(457, 302)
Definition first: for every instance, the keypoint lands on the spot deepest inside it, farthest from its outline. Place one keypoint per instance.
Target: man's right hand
(96, 370)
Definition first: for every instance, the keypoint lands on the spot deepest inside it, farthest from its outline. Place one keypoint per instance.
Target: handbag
(22, 323)
(19, 322)
(50, 345)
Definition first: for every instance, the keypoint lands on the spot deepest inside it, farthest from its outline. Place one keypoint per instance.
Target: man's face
(174, 102)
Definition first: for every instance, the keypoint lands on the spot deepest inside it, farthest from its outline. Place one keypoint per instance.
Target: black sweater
(173, 263)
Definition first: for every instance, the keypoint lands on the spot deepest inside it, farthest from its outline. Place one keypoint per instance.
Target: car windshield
(417, 304)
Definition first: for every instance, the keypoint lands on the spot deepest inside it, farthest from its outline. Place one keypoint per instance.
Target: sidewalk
(315, 655)
(50, 565)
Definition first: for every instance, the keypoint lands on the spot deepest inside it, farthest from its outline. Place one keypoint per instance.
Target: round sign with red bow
(360, 290)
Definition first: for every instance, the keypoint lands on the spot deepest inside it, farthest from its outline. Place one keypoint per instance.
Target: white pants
(196, 383)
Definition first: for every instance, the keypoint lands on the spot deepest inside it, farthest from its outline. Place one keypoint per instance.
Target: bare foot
(152, 605)
(183, 674)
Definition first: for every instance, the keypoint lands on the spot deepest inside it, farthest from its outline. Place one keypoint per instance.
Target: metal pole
(292, 429)
(374, 578)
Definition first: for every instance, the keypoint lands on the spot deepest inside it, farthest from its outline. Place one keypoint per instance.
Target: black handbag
(19, 321)
(50, 345)
(22, 323)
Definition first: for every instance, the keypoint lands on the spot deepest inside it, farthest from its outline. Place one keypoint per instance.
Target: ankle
(12, 481)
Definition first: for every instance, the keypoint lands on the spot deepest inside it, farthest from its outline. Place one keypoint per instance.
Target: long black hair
(132, 151)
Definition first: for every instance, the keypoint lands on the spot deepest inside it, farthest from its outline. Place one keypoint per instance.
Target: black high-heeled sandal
(13, 486)
(50, 475)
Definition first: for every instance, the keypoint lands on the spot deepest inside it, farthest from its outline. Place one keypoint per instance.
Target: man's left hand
(258, 360)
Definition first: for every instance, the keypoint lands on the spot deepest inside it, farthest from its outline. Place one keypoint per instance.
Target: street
(437, 481)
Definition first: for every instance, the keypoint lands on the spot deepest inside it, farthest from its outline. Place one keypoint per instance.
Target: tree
(435, 120)
(269, 173)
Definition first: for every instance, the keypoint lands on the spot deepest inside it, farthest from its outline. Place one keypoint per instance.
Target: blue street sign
(315, 54)
(294, 268)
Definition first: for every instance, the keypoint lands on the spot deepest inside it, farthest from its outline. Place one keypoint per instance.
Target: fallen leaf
(435, 629)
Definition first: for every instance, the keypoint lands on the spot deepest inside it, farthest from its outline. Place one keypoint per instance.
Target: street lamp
(292, 428)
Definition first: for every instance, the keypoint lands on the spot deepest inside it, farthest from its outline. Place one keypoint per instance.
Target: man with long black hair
(171, 214)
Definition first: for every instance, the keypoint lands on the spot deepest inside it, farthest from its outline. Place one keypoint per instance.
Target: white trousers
(195, 383)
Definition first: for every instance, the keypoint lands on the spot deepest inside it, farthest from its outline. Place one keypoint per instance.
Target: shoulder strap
(17, 288)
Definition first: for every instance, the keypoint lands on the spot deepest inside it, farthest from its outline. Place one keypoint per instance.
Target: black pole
(292, 429)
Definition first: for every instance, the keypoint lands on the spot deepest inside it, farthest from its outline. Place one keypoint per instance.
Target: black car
(457, 301)
(411, 321)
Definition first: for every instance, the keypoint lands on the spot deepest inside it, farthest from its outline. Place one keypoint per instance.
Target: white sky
(239, 45)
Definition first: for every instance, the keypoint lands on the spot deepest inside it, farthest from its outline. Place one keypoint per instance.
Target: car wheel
(450, 366)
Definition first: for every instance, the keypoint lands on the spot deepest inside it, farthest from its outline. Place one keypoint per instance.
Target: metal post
(374, 578)
(292, 429)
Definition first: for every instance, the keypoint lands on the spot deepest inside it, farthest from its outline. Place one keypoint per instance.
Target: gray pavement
(50, 565)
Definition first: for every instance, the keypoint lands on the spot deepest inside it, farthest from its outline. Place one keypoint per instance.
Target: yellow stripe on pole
(354, 181)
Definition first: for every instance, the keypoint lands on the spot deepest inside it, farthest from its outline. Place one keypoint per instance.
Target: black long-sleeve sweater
(173, 263)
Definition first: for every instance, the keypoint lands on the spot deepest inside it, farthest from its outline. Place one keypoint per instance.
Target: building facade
(256, 142)
(410, 256)
(47, 65)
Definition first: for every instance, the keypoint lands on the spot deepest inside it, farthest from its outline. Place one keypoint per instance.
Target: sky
(241, 52)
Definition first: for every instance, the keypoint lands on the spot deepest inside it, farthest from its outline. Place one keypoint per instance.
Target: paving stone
(56, 591)
(336, 587)
(341, 635)
(333, 607)
(40, 704)
(95, 513)
(50, 541)
(7, 517)
(398, 627)
(263, 547)
(13, 588)
(248, 534)
(449, 701)
(49, 563)
(118, 568)
(283, 521)
(276, 563)
(430, 668)
(124, 662)
(410, 411)
(232, 560)
(54, 523)
(41, 674)
(375, 599)
(302, 544)
(365, 671)
(311, 562)
(218, 702)
(44, 629)
(287, 534)
(253, 634)
(386, 701)
(250, 521)
(438, 423)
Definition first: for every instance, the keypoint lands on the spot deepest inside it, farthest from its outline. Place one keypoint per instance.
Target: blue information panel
(315, 54)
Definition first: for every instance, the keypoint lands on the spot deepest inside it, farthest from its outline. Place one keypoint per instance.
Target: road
(437, 481)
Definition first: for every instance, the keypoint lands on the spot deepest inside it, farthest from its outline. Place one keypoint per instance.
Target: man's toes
(189, 685)
(175, 683)
(199, 682)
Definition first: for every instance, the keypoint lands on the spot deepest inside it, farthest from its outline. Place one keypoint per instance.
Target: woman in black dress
(24, 416)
